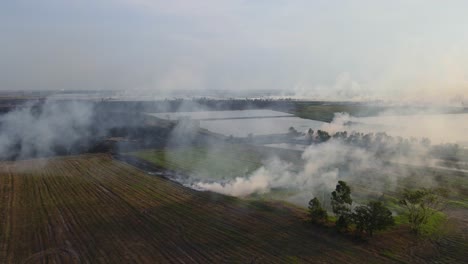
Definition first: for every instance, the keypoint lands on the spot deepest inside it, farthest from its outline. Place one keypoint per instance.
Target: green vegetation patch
(326, 112)
(220, 162)
(461, 203)
(434, 225)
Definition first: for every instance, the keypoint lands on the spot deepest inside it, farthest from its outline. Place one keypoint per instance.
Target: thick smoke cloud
(37, 130)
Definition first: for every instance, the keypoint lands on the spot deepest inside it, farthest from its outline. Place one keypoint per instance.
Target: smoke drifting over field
(323, 165)
(376, 160)
(38, 130)
(70, 127)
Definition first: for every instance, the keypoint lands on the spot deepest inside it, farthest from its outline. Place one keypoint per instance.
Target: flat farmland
(93, 209)
(202, 162)
(219, 162)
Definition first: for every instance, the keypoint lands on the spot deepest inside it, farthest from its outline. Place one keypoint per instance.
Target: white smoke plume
(259, 182)
(322, 166)
(439, 128)
(38, 130)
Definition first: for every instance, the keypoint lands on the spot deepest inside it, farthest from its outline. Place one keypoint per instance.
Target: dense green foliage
(341, 204)
(421, 204)
(316, 211)
(371, 217)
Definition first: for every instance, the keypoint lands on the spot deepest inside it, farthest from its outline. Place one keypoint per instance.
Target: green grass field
(213, 163)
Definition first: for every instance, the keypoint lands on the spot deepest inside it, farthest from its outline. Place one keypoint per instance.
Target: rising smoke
(44, 129)
(375, 160)
(70, 127)
(321, 167)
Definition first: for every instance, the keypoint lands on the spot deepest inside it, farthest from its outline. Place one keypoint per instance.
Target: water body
(241, 123)
(215, 115)
(260, 126)
(443, 128)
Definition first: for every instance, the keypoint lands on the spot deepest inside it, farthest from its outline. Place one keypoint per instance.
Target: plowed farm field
(93, 209)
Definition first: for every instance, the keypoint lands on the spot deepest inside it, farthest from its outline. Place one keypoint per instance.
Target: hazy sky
(344, 49)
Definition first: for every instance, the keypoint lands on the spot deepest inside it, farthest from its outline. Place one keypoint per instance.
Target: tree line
(382, 144)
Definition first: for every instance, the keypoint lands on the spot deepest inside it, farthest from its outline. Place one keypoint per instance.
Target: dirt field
(92, 209)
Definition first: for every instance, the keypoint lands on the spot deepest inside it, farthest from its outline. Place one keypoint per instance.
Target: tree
(310, 135)
(371, 217)
(421, 204)
(316, 211)
(323, 135)
(341, 204)
(292, 131)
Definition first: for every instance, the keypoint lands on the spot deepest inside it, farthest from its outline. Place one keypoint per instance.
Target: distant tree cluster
(242, 104)
(318, 136)
(384, 145)
(197, 104)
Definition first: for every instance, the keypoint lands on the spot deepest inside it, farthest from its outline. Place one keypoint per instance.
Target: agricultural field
(201, 161)
(93, 209)
(216, 162)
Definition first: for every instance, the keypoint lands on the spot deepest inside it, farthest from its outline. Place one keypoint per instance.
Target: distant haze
(346, 50)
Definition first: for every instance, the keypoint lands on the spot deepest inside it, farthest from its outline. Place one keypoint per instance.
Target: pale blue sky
(366, 49)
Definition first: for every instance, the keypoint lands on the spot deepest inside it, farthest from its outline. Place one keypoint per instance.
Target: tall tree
(341, 204)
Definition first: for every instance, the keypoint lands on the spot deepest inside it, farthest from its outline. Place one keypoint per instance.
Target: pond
(241, 123)
(443, 128)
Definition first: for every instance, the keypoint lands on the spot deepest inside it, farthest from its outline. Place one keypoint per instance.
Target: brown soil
(93, 209)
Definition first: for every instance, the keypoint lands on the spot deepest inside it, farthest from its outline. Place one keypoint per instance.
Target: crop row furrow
(6, 200)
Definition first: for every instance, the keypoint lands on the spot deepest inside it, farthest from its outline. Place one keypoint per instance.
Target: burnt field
(92, 209)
